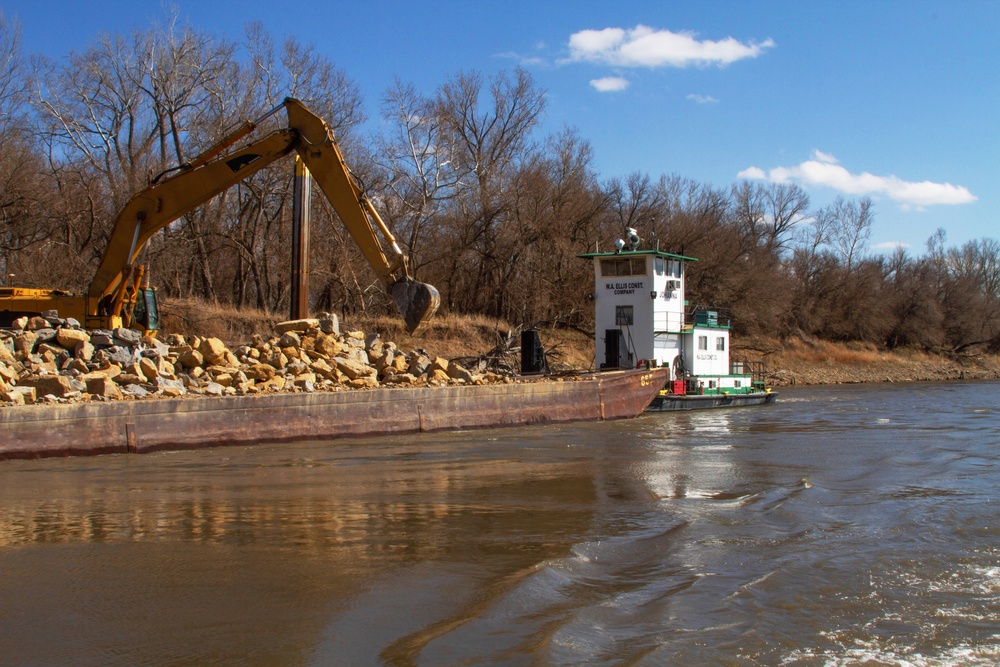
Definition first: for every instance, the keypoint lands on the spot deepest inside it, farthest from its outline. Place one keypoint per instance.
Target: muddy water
(841, 526)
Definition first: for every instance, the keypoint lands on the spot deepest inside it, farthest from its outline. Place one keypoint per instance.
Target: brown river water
(850, 525)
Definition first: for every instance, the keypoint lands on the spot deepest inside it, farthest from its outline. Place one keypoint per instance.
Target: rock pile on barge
(48, 359)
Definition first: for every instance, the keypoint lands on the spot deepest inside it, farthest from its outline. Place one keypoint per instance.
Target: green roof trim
(633, 253)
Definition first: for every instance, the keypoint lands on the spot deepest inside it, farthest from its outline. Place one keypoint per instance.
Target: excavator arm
(214, 171)
(416, 301)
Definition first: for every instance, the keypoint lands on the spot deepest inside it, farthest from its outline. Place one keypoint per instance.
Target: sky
(895, 101)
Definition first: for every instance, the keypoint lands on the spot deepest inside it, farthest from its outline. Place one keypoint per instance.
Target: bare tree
(29, 229)
(851, 229)
(766, 215)
(488, 136)
(419, 168)
(633, 202)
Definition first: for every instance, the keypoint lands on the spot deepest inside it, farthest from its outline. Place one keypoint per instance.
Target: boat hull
(673, 402)
(190, 423)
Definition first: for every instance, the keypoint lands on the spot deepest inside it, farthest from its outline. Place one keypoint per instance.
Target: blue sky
(897, 101)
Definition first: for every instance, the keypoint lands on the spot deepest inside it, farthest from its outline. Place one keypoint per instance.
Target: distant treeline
(490, 212)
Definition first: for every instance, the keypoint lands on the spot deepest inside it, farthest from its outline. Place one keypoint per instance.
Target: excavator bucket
(417, 302)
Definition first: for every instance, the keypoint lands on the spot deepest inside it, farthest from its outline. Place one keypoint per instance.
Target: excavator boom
(214, 171)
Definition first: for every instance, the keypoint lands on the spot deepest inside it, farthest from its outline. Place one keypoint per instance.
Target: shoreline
(820, 362)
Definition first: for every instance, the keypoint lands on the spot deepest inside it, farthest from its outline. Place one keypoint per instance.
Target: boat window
(737, 383)
(660, 266)
(624, 315)
(623, 266)
(720, 343)
(702, 342)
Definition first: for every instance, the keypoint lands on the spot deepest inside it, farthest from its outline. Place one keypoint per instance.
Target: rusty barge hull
(174, 424)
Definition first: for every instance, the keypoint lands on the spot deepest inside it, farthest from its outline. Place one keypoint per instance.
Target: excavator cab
(146, 314)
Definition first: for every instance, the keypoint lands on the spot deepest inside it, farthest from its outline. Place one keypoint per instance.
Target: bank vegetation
(489, 210)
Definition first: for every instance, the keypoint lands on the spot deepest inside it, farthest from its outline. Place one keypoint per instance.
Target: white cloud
(891, 245)
(527, 61)
(643, 46)
(752, 174)
(702, 99)
(824, 157)
(610, 84)
(824, 171)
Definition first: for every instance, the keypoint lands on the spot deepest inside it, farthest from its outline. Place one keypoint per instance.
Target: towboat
(642, 319)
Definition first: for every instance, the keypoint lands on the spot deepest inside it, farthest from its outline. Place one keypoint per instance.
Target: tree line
(489, 211)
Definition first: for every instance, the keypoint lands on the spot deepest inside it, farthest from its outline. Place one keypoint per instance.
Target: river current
(850, 525)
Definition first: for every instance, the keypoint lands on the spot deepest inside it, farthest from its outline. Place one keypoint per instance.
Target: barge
(174, 424)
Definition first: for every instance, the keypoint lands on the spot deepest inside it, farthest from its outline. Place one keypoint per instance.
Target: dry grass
(811, 361)
(450, 336)
(194, 317)
(826, 352)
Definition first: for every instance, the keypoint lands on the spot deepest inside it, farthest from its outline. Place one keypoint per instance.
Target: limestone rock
(363, 383)
(36, 323)
(190, 358)
(329, 324)
(75, 366)
(274, 358)
(290, 339)
(103, 386)
(261, 372)
(7, 373)
(110, 371)
(300, 326)
(354, 370)
(401, 378)
(277, 383)
(84, 350)
(56, 385)
(125, 336)
(321, 368)
(438, 364)
(128, 379)
(437, 375)
(418, 364)
(328, 345)
(358, 355)
(8, 396)
(136, 390)
(28, 394)
(169, 387)
(456, 372)
(102, 338)
(70, 338)
(25, 342)
(148, 368)
(213, 350)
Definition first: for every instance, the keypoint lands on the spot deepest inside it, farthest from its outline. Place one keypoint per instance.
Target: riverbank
(795, 361)
(801, 362)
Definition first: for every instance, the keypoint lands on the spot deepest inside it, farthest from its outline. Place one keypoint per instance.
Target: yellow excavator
(120, 294)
